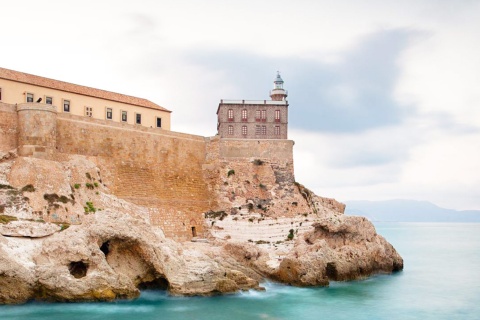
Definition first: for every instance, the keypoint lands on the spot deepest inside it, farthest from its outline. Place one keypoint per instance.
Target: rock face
(270, 227)
(342, 248)
(31, 229)
(111, 255)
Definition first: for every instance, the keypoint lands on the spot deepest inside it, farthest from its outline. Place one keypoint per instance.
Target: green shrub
(95, 184)
(230, 172)
(76, 185)
(89, 177)
(262, 186)
(89, 208)
(290, 234)
(89, 186)
(4, 219)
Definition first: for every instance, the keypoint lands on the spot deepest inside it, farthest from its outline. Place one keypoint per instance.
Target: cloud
(355, 94)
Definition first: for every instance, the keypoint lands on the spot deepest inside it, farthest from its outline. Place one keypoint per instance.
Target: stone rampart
(161, 170)
(272, 149)
(8, 127)
(36, 130)
(174, 175)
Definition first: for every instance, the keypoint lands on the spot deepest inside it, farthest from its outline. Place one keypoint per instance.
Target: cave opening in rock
(156, 284)
(331, 270)
(78, 269)
(105, 248)
(194, 232)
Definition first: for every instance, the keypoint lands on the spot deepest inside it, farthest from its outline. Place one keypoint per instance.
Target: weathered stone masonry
(170, 173)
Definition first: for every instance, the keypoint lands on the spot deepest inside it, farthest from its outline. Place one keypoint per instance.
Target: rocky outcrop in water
(110, 250)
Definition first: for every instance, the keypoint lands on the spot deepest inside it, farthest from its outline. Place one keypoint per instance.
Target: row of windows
(259, 130)
(123, 116)
(260, 115)
(89, 110)
(48, 100)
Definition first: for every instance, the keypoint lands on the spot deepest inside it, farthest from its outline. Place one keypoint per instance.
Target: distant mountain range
(408, 211)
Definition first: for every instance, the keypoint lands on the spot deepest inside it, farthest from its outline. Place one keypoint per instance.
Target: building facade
(255, 119)
(23, 88)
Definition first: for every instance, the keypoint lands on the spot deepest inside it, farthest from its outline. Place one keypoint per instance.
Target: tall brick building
(255, 119)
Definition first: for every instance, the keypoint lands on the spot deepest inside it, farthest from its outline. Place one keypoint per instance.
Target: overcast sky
(384, 95)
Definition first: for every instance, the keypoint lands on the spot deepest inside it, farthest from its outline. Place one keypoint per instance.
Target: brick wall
(161, 170)
(175, 175)
(36, 130)
(252, 122)
(8, 127)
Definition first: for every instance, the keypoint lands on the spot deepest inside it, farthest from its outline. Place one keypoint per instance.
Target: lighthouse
(278, 93)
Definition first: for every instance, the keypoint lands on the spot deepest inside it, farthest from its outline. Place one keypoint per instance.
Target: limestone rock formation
(62, 241)
(340, 248)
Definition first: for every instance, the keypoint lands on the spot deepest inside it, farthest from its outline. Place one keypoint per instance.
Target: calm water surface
(441, 280)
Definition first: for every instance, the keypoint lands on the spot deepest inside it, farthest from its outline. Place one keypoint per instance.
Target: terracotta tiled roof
(75, 88)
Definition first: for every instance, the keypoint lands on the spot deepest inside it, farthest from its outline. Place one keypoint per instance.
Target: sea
(441, 280)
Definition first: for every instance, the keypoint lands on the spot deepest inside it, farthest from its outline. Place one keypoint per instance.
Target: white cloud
(145, 48)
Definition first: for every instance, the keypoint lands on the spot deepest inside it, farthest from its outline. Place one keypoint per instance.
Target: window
(244, 115)
(230, 114)
(230, 130)
(277, 115)
(124, 116)
(277, 130)
(29, 97)
(260, 115)
(258, 130)
(109, 113)
(264, 130)
(159, 122)
(244, 130)
(66, 105)
(138, 118)
(48, 100)
(88, 111)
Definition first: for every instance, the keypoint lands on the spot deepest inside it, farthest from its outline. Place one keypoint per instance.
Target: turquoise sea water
(441, 280)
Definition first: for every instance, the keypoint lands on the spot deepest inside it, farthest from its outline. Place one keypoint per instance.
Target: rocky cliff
(66, 236)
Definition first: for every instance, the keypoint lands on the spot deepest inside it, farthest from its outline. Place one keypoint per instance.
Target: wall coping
(128, 127)
(36, 106)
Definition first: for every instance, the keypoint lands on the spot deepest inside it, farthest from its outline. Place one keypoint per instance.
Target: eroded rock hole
(78, 269)
(156, 284)
(105, 248)
(331, 271)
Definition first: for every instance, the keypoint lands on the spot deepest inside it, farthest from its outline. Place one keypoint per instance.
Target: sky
(384, 96)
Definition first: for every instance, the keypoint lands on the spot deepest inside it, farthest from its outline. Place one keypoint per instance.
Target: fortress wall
(161, 170)
(8, 127)
(257, 181)
(36, 130)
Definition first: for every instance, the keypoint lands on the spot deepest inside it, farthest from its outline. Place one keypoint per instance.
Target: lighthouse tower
(255, 119)
(278, 93)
